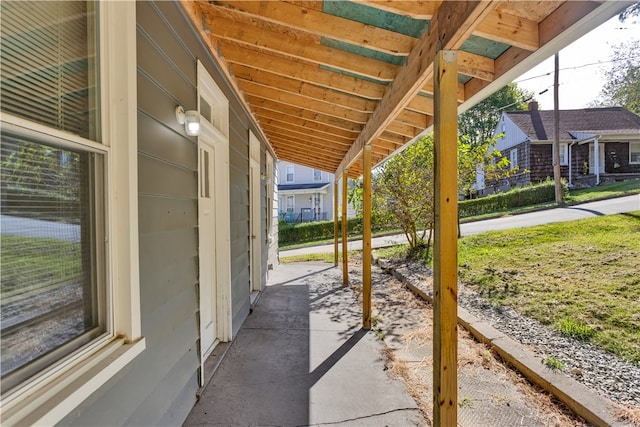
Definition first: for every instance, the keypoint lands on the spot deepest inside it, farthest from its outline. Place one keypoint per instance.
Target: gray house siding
(159, 386)
(239, 179)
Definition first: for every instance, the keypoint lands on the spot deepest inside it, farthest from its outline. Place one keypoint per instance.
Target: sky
(581, 66)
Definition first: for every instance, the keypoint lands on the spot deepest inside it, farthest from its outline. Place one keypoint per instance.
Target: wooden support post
(335, 221)
(366, 237)
(345, 261)
(445, 253)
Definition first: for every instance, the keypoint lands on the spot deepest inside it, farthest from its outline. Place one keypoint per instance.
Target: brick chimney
(533, 106)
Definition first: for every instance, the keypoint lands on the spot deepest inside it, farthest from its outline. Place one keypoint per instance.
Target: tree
(478, 123)
(633, 10)
(623, 78)
(403, 193)
(403, 187)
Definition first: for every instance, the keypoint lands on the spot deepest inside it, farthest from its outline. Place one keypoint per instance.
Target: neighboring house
(130, 249)
(305, 194)
(596, 145)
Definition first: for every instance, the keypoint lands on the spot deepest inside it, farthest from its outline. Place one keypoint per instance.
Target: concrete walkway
(301, 359)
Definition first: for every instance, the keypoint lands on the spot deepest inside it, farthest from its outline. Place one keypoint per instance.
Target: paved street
(27, 227)
(585, 210)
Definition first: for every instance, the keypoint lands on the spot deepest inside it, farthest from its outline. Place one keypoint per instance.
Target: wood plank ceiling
(325, 78)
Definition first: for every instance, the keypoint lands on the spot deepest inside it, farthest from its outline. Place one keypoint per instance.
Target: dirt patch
(490, 393)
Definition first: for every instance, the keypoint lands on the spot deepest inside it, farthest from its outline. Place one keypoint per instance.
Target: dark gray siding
(159, 386)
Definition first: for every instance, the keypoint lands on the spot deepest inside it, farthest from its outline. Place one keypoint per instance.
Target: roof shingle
(538, 125)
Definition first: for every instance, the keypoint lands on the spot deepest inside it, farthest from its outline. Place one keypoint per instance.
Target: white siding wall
(305, 175)
(512, 135)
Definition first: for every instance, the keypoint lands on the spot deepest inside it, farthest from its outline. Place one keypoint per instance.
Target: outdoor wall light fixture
(190, 119)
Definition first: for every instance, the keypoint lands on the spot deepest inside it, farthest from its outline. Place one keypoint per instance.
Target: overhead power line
(577, 67)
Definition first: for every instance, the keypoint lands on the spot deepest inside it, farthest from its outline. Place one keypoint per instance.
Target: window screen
(48, 64)
(51, 207)
(50, 295)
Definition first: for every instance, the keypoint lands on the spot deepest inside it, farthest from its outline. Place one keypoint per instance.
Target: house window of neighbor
(317, 175)
(290, 203)
(513, 158)
(55, 296)
(564, 154)
(290, 173)
(634, 152)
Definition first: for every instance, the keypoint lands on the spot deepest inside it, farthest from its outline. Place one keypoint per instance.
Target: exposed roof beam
(298, 44)
(461, 16)
(314, 116)
(325, 25)
(403, 129)
(285, 143)
(416, 9)
(476, 66)
(285, 84)
(302, 132)
(266, 115)
(499, 26)
(553, 34)
(316, 162)
(510, 29)
(412, 118)
(311, 73)
(304, 102)
(254, 58)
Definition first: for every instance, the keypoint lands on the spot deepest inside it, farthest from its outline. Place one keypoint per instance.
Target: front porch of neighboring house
(593, 161)
(305, 202)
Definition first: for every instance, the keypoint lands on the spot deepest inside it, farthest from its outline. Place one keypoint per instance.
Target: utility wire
(577, 67)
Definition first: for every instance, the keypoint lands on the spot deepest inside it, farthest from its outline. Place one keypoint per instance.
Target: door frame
(255, 220)
(214, 132)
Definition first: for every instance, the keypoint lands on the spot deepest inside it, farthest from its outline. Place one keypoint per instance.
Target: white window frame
(632, 150)
(513, 158)
(563, 154)
(49, 396)
(293, 204)
(317, 177)
(286, 175)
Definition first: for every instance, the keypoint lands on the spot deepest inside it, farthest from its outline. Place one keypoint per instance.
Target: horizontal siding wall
(159, 387)
(240, 220)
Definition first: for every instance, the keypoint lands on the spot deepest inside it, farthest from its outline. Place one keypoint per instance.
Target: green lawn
(581, 277)
(613, 189)
(31, 264)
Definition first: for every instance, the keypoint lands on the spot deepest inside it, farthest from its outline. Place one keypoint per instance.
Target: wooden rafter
(294, 82)
(325, 25)
(462, 16)
(297, 44)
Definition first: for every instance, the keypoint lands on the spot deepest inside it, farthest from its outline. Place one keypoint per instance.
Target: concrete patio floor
(301, 358)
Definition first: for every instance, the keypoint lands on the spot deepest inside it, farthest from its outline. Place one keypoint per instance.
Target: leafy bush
(289, 234)
(523, 196)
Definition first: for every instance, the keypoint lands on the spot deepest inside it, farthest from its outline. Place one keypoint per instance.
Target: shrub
(289, 234)
(523, 196)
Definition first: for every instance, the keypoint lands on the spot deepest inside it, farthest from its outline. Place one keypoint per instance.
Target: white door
(214, 222)
(255, 244)
(207, 247)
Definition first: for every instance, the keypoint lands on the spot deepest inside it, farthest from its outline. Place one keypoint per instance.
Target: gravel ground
(599, 370)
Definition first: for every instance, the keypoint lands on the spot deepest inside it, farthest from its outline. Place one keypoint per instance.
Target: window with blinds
(48, 64)
(53, 292)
